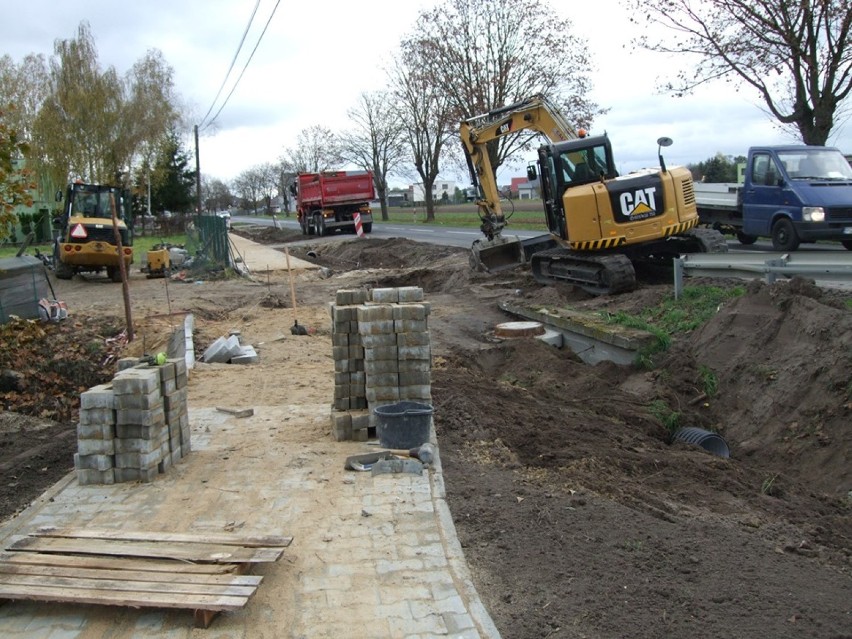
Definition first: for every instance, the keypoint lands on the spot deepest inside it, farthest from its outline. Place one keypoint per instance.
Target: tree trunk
(430, 202)
(382, 194)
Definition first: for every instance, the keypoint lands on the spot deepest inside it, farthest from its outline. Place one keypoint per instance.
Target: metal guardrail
(819, 265)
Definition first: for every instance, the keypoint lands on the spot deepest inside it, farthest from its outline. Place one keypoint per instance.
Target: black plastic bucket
(403, 425)
(708, 440)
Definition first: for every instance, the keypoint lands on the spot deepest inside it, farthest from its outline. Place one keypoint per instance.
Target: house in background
(441, 190)
(523, 189)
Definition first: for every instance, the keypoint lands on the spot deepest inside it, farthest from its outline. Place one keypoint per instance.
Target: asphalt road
(464, 237)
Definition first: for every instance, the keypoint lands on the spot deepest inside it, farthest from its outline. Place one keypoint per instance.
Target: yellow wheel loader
(87, 242)
(600, 223)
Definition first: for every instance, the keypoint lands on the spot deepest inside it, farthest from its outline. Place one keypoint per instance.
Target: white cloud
(317, 57)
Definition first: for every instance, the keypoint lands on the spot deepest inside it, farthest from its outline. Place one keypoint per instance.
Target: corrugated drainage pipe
(708, 440)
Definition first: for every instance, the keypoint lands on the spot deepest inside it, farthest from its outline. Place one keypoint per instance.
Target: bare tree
(425, 111)
(797, 54)
(249, 187)
(317, 149)
(489, 53)
(215, 194)
(377, 142)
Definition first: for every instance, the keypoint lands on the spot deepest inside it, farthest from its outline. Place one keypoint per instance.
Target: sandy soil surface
(578, 516)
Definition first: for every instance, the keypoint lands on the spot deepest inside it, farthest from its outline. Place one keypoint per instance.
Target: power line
(257, 44)
(233, 62)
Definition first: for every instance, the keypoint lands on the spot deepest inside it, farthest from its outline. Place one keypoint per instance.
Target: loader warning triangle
(79, 231)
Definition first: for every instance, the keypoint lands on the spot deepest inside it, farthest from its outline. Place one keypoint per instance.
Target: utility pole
(197, 182)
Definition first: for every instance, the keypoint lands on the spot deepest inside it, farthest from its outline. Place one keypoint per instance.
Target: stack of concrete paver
(382, 355)
(135, 427)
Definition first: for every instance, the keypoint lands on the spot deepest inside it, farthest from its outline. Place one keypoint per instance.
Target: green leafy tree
(15, 181)
(795, 54)
(173, 181)
(94, 123)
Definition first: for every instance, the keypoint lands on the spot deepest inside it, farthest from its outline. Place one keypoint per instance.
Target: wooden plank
(175, 550)
(117, 563)
(129, 575)
(106, 598)
(204, 538)
(125, 585)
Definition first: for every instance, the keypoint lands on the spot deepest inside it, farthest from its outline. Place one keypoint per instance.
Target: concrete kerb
(452, 547)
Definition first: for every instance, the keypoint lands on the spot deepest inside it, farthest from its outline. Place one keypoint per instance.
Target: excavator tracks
(595, 273)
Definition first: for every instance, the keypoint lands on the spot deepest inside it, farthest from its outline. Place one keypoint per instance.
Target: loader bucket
(499, 254)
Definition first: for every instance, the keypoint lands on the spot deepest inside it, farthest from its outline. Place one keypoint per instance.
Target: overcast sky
(317, 57)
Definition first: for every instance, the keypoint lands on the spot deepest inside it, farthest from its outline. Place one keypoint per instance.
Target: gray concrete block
(247, 355)
(414, 366)
(341, 404)
(358, 403)
(167, 371)
(385, 295)
(96, 446)
(87, 477)
(382, 379)
(415, 379)
(351, 296)
(378, 341)
(140, 401)
(408, 466)
(141, 461)
(98, 430)
(341, 391)
(91, 416)
(360, 419)
(344, 313)
(145, 475)
(153, 416)
(175, 400)
(380, 367)
(100, 396)
(381, 352)
(139, 431)
(217, 352)
(181, 381)
(410, 326)
(340, 339)
(126, 362)
(409, 312)
(93, 462)
(382, 394)
(410, 294)
(140, 446)
(136, 381)
(375, 327)
(416, 393)
(341, 426)
(369, 313)
(180, 365)
(413, 339)
(415, 352)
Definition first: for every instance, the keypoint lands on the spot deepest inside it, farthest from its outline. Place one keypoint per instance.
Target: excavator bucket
(499, 254)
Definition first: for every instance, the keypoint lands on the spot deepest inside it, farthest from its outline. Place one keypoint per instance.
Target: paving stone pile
(382, 355)
(136, 426)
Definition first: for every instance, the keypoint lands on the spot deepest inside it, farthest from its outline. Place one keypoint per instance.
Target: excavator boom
(535, 113)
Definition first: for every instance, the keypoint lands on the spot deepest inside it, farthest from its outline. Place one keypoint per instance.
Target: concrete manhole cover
(519, 329)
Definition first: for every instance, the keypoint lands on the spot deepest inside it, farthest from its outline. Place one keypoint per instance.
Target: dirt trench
(578, 515)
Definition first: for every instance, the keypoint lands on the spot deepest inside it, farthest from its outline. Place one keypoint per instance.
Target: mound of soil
(578, 514)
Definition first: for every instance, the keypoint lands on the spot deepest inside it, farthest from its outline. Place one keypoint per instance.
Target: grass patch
(709, 381)
(670, 418)
(141, 245)
(674, 317)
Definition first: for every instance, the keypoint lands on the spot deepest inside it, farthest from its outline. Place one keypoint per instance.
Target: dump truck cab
(86, 239)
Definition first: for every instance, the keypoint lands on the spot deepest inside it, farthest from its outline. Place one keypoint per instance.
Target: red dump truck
(331, 200)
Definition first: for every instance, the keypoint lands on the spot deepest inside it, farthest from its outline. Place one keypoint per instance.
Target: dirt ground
(577, 515)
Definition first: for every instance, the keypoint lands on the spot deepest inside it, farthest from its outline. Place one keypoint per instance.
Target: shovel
(296, 329)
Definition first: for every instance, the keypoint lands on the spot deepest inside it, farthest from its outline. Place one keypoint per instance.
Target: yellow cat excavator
(600, 223)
